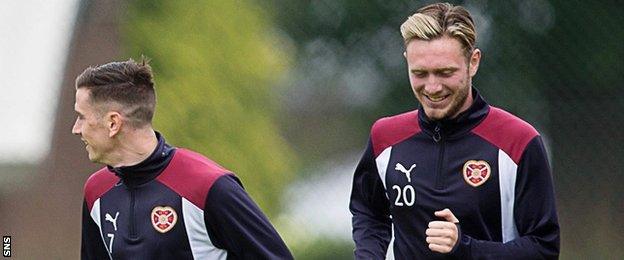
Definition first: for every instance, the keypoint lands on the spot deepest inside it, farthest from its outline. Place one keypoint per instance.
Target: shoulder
(98, 184)
(506, 131)
(195, 163)
(391, 130)
(191, 175)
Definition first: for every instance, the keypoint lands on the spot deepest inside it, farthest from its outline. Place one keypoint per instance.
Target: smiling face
(92, 128)
(441, 75)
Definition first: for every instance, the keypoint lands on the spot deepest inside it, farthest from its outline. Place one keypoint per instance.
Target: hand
(442, 235)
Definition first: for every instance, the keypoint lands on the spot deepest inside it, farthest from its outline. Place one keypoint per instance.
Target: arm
(236, 224)
(534, 213)
(371, 210)
(92, 245)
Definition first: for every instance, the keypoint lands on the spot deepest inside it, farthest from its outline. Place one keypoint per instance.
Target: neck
(134, 147)
(467, 104)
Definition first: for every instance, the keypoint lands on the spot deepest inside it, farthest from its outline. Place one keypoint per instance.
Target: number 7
(110, 244)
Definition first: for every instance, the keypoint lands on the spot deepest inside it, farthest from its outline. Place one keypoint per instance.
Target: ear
(405, 54)
(475, 58)
(113, 123)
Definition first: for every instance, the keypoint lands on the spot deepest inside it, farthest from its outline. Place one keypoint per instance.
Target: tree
(215, 65)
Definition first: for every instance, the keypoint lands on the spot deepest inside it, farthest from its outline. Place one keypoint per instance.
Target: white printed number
(110, 244)
(403, 194)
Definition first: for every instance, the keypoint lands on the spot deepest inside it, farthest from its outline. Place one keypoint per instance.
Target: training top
(487, 166)
(176, 204)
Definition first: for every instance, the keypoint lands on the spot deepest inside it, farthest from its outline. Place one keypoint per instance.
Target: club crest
(163, 218)
(476, 172)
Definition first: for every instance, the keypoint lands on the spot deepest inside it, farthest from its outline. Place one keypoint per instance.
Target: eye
(446, 73)
(419, 74)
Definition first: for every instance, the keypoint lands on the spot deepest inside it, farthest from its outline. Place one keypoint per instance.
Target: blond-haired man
(456, 178)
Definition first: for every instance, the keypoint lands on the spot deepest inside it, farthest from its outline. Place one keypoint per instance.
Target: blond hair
(437, 20)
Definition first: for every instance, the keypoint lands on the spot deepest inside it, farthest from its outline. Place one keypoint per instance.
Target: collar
(463, 123)
(149, 168)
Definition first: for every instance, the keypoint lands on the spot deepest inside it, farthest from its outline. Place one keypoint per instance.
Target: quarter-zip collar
(462, 124)
(149, 168)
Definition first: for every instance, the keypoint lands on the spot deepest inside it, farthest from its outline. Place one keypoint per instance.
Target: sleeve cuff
(461, 250)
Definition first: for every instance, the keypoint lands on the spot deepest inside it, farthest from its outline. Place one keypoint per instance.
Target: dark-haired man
(152, 200)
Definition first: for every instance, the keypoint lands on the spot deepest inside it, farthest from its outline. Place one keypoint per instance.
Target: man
(152, 200)
(457, 178)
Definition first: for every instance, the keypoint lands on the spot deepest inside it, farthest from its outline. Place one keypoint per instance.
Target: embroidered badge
(476, 172)
(163, 218)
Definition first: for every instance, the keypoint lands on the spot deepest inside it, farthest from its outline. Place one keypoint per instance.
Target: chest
(144, 221)
(423, 176)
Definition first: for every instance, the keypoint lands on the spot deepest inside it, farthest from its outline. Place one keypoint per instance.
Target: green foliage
(215, 63)
(320, 249)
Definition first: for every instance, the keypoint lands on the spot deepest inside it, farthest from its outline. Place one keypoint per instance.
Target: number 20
(406, 189)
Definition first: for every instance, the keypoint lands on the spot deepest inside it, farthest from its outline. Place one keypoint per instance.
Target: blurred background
(284, 93)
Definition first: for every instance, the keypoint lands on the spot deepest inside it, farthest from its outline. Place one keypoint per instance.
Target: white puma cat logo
(399, 167)
(113, 220)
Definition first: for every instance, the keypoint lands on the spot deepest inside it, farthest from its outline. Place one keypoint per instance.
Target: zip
(437, 137)
(131, 217)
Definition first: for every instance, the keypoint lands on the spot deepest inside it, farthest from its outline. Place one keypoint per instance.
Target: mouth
(436, 99)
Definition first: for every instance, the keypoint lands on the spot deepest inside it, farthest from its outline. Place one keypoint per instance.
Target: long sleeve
(534, 213)
(371, 210)
(92, 246)
(236, 224)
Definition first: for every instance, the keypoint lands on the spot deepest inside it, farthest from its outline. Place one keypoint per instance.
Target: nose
(76, 128)
(433, 85)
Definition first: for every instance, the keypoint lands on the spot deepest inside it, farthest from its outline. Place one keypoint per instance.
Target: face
(440, 76)
(92, 128)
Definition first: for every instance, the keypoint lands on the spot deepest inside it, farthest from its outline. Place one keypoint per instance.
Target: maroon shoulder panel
(191, 175)
(389, 131)
(506, 131)
(98, 184)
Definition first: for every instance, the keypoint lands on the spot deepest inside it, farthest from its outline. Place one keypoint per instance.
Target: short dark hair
(127, 83)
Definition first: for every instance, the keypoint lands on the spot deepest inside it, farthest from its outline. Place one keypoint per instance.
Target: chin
(437, 115)
(94, 159)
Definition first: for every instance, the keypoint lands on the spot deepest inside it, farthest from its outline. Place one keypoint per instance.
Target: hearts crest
(163, 218)
(476, 172)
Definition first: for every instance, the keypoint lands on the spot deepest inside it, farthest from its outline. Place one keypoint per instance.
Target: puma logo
(401, 168)
(113, 220)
